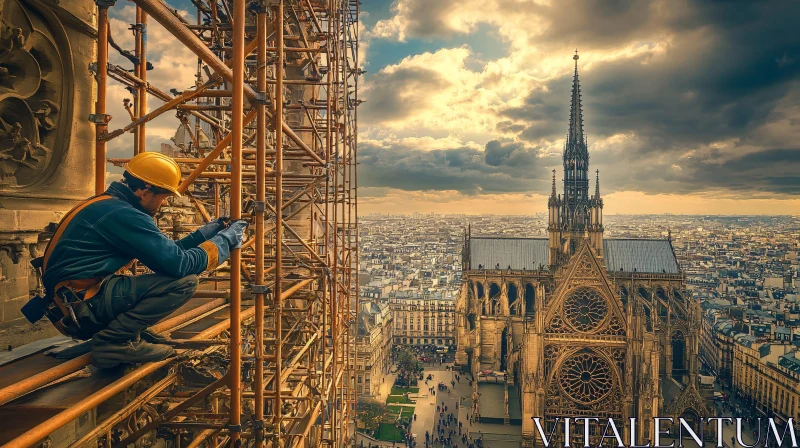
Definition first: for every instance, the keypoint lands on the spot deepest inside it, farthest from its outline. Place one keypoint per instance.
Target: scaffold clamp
(259, 100)
(99, 118)
(259, 206)
(92, 67)
(259, 289)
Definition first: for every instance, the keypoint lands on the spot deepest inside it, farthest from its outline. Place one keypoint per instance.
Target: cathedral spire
(597, 184)
(576, 112)
(576, 200)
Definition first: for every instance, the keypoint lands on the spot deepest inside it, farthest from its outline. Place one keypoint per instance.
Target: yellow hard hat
(157, 170)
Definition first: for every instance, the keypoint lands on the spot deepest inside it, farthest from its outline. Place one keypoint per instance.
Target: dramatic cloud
(497, 168)
(680, 97)
(431, 94)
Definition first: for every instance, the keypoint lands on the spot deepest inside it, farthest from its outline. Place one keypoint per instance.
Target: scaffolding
(271, 129)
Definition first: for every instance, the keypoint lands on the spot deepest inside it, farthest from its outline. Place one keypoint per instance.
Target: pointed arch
(678, 295)
(494, 298)
(513, 294)
(648, 318)
(530, 300)
(678, 341)
(623, 295)
(494, 290)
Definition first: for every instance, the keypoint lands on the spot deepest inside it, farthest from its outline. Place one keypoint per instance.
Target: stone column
(504, 299)
(506, 419)
(668, 356)
(462, 325)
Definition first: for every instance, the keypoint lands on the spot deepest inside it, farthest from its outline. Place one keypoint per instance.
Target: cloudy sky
(690, 106)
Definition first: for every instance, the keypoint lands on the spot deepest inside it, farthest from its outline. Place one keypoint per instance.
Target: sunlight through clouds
(683, 99)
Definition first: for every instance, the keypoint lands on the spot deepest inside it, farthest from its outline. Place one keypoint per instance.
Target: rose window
(586, 377)
(585, 309)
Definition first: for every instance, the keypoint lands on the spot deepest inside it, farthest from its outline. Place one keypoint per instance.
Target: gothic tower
(601, 333)
(575, 215)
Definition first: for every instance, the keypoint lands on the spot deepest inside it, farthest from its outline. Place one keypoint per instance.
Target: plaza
(458, 401)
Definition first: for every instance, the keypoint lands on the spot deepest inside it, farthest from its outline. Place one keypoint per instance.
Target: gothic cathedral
(576, 325)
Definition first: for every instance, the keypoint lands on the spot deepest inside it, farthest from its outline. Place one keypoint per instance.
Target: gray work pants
(126, 305)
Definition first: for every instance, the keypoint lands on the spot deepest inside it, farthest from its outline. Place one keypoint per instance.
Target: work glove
(234, 233)
(213, 227)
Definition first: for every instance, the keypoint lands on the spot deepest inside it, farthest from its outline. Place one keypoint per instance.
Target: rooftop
(627, 255)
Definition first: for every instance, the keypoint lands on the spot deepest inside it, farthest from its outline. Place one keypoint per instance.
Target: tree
(408, 367)
(371, 412)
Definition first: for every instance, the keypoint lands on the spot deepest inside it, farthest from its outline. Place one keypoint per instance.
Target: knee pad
(189, 283)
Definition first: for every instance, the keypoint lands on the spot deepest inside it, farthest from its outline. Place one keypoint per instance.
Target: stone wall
(46, 140)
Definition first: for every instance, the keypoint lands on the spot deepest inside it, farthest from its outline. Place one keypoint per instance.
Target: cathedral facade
(576, 325)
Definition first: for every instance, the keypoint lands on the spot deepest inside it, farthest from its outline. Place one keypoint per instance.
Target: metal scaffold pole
(270, 128)
(100, 118)
(237, 110)
(261, 189)
(277, 413)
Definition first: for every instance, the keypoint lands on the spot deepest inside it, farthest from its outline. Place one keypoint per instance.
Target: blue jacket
(109, 234)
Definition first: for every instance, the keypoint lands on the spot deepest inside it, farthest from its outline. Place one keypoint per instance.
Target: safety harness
(61, 304)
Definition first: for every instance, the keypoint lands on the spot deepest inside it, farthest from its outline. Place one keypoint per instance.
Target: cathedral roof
(641, 255)
(519, 253)
(628, 255)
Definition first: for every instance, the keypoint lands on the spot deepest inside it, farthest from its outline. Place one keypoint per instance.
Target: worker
(85, 296)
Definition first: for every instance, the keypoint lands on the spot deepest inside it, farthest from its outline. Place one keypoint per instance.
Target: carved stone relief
(34, 80)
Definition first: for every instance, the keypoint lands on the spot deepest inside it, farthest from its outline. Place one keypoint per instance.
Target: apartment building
(768, 374)
(423, 319)
(373, 347)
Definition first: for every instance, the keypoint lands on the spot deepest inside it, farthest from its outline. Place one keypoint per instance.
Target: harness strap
(89, 285)
(63, 225)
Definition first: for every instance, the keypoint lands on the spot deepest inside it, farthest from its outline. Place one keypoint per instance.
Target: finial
(575, 136)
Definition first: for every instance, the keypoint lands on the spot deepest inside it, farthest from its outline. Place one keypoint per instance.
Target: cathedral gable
(584, 300)
(688, 402)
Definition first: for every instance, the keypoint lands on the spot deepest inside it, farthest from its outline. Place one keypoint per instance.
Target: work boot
(152, 337)
(107, 355)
